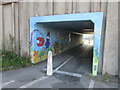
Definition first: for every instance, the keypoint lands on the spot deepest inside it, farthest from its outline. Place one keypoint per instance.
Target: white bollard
(49, 64)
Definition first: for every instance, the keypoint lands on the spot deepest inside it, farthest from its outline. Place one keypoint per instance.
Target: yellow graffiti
(35, 57)
(44, 57)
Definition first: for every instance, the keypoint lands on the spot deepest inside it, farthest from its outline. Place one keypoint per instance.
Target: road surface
(71, 69)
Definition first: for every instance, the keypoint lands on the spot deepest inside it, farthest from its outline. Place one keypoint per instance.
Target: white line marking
(3, 85)
(33, 82)
(91, 84)
(67, 60)
(68, 73)
(63, 64)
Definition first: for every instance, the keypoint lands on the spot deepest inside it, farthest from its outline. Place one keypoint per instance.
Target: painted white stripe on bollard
(49, 64)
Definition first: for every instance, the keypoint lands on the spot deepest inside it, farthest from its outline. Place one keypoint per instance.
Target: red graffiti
(41, 41)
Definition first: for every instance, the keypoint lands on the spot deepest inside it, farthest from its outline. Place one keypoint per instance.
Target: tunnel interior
(73, 31)
(63, 35)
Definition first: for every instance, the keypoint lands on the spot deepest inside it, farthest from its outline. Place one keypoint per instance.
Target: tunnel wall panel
(44, 39)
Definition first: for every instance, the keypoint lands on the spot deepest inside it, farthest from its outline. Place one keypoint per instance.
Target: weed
(10, 59)
(105, 77)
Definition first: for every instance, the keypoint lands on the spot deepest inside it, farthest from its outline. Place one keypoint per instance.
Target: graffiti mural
(56, 47)
(40, 41)
(47, 40)
(43, 40)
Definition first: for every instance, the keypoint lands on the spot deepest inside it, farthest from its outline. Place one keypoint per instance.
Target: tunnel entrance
(59, 33)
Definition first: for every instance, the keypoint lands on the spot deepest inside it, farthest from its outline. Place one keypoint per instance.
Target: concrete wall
(119, 38)
(14, 20)
(51, 39)
(110, 63)
(1, 29)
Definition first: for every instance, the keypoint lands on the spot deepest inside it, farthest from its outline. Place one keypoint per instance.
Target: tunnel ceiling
(75, 26)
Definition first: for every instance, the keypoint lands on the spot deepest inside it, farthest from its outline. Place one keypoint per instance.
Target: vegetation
(10, 59)
(105, 77)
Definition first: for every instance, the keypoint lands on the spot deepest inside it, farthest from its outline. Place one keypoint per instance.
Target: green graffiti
(49, 49)
(41, 54)
(95, 63)
(95, 57)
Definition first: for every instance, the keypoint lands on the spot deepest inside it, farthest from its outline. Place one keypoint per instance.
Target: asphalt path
(81, 62)
(70, 70)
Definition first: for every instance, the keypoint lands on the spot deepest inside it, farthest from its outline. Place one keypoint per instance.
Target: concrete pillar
(104, 10)
(110, 59)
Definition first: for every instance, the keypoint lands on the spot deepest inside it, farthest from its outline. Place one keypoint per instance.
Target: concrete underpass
(80, 56)
(60, 33)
